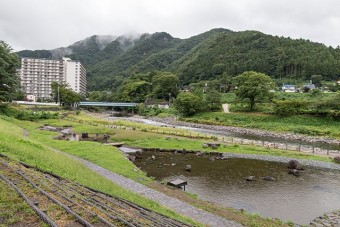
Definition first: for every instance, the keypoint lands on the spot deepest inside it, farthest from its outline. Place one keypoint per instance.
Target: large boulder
(294, 164)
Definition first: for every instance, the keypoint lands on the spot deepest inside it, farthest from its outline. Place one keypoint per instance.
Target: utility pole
(169, 99)
(58, 96)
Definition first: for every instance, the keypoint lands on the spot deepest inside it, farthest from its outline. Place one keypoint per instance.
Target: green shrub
(337, 159)
(289, 107)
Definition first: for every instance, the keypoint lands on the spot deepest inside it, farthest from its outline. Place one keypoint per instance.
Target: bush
(337, 159)
(289, 107)
(187, 103)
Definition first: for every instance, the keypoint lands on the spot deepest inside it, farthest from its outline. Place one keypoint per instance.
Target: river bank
(270, 158)
(247, 131)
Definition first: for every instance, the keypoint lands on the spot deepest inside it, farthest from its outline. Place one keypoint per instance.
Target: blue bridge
(110, 104)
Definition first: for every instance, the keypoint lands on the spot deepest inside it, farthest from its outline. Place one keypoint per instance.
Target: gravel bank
(312, 163)
(246, 131)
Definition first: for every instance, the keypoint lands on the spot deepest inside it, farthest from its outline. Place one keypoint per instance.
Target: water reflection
(299, 199)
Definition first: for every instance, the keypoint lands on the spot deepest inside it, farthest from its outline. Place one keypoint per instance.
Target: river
(299, 199)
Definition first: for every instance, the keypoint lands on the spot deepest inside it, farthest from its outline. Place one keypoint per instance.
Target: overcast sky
(48, 24)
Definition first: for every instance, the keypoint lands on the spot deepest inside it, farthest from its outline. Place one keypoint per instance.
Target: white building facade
(37, 76)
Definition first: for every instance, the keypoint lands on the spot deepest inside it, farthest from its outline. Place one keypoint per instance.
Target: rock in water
(295, 172)
(268, 178)
(293, 164)
(251, 178)
(188, 168)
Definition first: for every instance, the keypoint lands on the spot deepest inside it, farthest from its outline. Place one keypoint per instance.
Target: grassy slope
(14, 211)
(29, 150)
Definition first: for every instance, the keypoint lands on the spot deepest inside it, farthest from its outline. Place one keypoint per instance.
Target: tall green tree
(66, 96)
(213, 99)
(253, 87)
(135, 91)
(9, 81)
(187, 103)
(165, 85)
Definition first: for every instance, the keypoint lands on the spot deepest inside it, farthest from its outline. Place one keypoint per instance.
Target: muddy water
(299, 199)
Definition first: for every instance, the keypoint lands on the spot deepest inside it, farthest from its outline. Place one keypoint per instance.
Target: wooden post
(313, 149)
(286, 146)
(299, 147)
(327, 151)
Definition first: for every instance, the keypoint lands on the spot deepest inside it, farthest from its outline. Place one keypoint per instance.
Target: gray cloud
(47, 24)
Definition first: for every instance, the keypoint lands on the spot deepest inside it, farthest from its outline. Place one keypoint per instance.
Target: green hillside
(203, 57)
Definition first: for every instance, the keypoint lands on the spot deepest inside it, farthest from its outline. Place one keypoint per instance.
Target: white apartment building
(38, 74)
(75, 75)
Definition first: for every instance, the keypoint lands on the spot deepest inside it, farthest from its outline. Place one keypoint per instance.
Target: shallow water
(299, 199)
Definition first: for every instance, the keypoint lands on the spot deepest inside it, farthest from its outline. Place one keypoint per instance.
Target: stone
(153, 157)
(268, 178)
(295, 172)
(188, 168)
(212, 159)
(205, 145)
(132, 158)
(251, 178)
(293, 164)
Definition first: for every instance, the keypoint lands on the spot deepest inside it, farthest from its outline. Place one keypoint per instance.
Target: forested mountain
(110, 60)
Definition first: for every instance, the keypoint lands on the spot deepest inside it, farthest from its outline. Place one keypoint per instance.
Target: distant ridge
(111, 59)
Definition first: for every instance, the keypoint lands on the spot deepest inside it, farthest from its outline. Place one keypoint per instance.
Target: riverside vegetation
(37, 150)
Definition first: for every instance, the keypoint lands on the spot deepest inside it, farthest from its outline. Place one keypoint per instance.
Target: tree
(164, 84)
(9, 81)
(187, 103)
(135, 91)
(317, 80)
(66, 96)
(253, 87)
(213, 99)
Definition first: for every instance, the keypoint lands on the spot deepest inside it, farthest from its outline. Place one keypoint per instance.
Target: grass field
(36, 150)
(32, 151)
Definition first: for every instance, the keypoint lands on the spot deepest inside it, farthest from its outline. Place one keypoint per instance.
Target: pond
(299, 199)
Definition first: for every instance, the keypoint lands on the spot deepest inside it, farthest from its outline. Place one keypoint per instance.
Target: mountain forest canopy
(216, 54)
